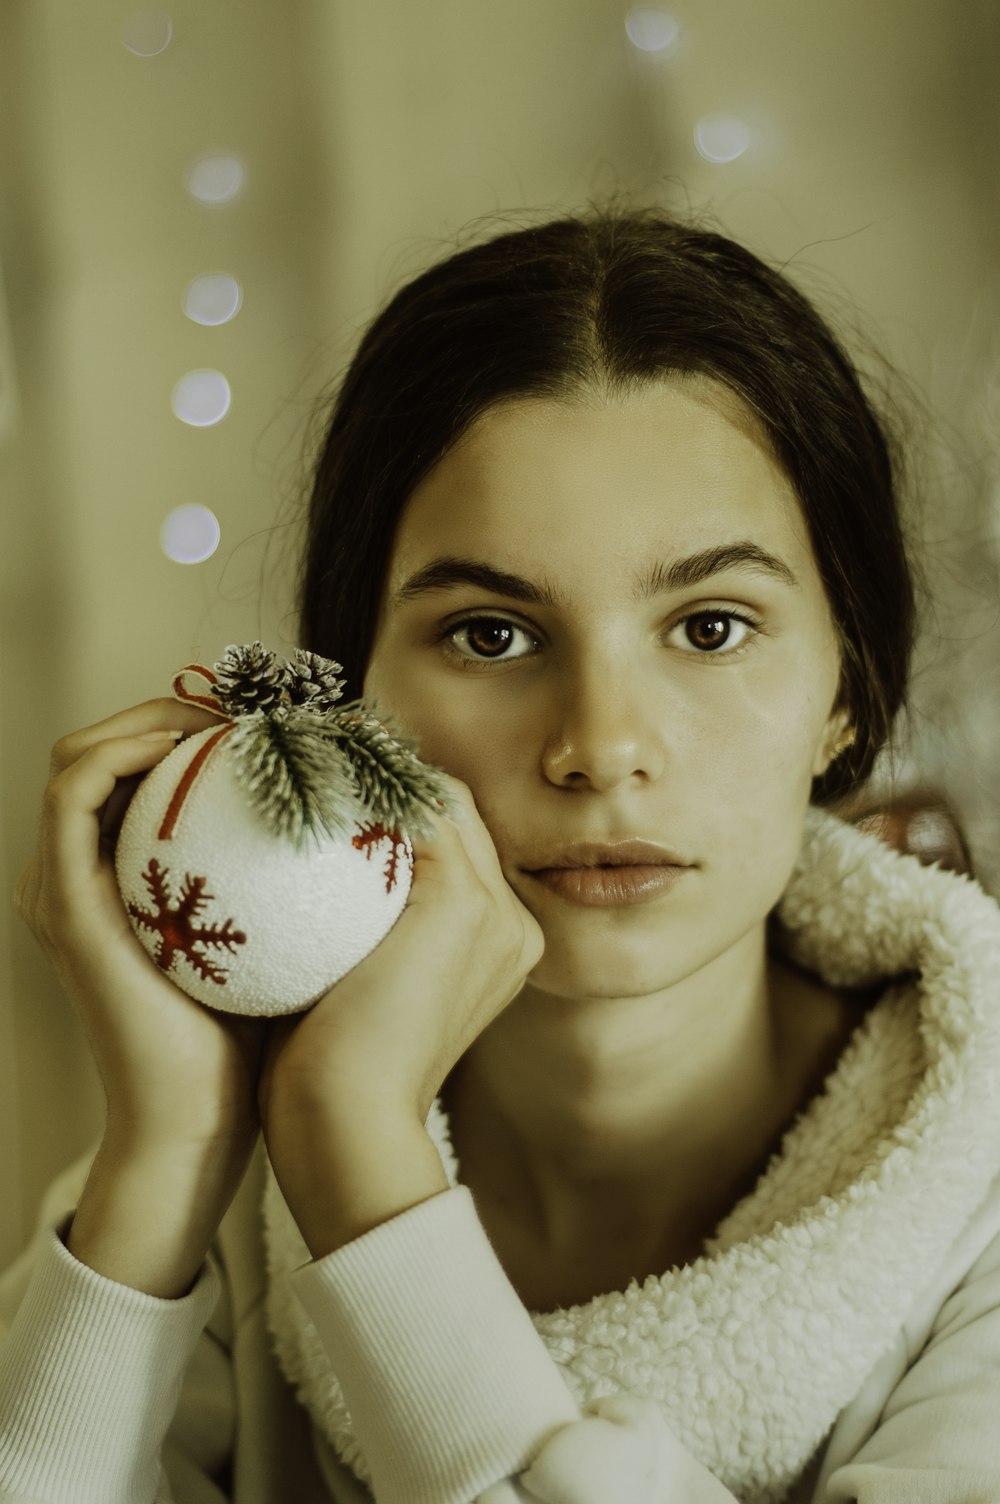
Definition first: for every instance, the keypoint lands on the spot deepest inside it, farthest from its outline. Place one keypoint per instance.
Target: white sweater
(838, 1340)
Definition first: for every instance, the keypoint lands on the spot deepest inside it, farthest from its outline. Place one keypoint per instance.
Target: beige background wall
(374, 132)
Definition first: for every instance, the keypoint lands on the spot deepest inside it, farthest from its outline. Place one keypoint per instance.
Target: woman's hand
(387, 1034)
(175, 1074)
(346, 1087)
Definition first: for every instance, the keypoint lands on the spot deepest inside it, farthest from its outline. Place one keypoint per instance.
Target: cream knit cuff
(90, 1376)
(449, 1385)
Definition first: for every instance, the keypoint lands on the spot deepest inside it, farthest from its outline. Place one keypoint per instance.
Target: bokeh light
(721, 138)
(651, 30)
(215, 180)
(190, 534)
(201, 398)
(213, 299)
(147, 33)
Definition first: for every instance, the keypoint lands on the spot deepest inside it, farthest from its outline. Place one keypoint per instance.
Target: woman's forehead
(669, 468)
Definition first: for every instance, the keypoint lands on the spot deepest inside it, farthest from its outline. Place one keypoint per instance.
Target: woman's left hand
(388, 1033)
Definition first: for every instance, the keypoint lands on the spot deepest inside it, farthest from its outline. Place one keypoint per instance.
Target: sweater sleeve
(90, 1376)
(456, 1400)
(453, 1394)
(937, 1438)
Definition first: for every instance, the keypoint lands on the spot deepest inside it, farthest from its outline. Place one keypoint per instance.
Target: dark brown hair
(609, 299)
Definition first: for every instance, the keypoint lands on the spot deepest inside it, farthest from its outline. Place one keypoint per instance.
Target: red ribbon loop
(208, 702)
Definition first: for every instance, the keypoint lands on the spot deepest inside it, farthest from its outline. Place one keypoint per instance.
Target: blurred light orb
(651, 30)
(201, 398)
(721, 138)
(215, 180)
(190, 534)
(147, 33)
(213, 299)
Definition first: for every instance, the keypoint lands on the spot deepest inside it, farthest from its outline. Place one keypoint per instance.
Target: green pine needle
(312, 767)
(400, 790)
(296, 777)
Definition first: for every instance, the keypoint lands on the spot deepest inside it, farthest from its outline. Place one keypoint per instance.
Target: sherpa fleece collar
(754, 1348)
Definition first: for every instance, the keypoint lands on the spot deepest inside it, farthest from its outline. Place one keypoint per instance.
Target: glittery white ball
(236, 916)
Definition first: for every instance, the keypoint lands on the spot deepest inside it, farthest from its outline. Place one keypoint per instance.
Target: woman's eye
(481, 640)
(487, 639)
(718, 632)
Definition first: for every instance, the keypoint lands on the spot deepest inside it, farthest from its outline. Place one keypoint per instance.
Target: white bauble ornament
(238, 913)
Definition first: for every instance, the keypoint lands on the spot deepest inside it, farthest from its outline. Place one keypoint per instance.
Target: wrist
(344, 1170)
(148, 1212)
(135, 1139)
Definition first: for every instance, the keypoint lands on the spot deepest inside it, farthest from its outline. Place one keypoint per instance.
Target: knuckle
(534, 945)
(22, 890)
(73, 750)
(459, 792)
(32, 910)
(40, 924)
(529, 942)
(56, 793)
(52, 797)
(476, 900)
(455, 783)
(64, 751)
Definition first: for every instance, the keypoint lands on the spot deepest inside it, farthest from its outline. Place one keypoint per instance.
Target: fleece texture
(753, 1350)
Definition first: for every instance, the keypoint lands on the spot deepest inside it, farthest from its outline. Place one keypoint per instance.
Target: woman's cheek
(756, 780)
(776, 720)
(467, 744)
(420, 709)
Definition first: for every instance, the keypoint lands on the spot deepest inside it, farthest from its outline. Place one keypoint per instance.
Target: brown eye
(708, 632)
(481, 640)
(490, 638)
(718, 634)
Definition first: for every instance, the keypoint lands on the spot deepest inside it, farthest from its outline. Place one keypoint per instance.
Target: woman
(653, 1155)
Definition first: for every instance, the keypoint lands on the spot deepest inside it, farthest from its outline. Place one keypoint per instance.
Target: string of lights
(191, 533)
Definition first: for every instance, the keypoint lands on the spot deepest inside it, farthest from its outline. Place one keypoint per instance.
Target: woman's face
(607, 620)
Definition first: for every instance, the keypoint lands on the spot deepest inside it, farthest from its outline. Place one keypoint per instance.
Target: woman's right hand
(175, 1074)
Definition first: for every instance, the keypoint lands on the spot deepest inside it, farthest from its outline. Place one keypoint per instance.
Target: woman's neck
(576, 1114)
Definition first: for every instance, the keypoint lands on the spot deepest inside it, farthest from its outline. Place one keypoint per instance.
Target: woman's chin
(607, 971)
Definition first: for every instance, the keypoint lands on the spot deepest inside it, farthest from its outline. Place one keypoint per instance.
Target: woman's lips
(611, 886)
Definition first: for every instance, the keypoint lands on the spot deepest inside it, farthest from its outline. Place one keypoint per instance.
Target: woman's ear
(837, 737)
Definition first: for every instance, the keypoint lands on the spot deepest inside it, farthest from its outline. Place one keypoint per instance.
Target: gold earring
(846, 739)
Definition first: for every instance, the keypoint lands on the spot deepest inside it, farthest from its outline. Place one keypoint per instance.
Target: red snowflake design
(177, 928)
(370, 835)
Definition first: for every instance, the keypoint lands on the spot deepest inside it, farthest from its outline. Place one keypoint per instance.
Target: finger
(456, 814)
(113, 812)
(163, 714)
(75, 797)
(477, 842)
(26, 889)
(464, 832)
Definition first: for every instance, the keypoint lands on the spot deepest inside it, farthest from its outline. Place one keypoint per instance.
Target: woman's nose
(603, 731)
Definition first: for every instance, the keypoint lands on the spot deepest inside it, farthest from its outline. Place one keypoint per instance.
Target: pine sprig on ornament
(285, 832)
(295, 777)
(398, 788)
(307, 760)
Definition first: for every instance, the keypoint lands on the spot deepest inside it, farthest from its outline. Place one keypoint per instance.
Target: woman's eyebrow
(449, 570)
(691, 570)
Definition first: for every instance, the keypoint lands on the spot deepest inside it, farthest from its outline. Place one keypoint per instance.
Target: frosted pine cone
(312, 681)
(250, 677)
